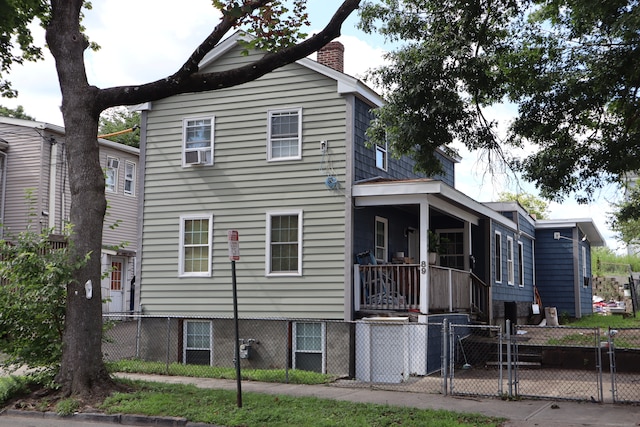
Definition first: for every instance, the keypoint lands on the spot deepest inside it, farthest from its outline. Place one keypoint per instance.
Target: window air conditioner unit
(113, 163)
(195, 157)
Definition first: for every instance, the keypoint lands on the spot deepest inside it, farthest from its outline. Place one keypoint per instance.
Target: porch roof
(384, 191)
(586, 225)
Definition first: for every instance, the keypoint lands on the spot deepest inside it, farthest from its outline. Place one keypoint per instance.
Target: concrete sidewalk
(522, 413)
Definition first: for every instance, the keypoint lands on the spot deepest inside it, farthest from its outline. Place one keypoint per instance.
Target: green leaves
(16, 41)
(275, 25)
(34, 275)
(443, 75)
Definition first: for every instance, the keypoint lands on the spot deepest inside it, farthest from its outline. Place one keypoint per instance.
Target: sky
(145, 40)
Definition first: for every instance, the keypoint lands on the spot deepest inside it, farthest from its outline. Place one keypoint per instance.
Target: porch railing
(396, 287)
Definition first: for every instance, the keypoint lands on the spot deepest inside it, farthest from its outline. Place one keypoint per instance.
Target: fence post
(287, 325)
(509, 377)
(599, 362)
(138, 332)
(444, 356)
(612, 365)
(168, 345)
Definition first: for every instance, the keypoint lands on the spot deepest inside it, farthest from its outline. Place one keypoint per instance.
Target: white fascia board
(587, 226)
(410, 190)
(511, 207)
(223, 47)
(346, 83)
(461, 198)
(118, 146)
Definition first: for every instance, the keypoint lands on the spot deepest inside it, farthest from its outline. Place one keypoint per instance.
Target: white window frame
(114, 187)
(268, 268)
(185, 340)
(497, 255)
(270, 137)
(383, 151)
(510, 262)
(521, 264)
(189, 122)
(181, 257)
(132, 179)
(381, 246)
(323, 344)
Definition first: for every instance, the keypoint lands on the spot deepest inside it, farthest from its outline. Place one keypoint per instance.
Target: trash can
(511, 314)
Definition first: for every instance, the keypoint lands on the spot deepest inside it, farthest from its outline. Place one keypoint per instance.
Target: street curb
(123, 419)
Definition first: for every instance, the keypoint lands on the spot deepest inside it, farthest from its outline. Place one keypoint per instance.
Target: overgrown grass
(605, 322)
(294, 376)
(593, 321)
(12, 386)
(220, 407)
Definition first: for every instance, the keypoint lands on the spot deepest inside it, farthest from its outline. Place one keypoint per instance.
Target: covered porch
(396, 288)
(394, 220)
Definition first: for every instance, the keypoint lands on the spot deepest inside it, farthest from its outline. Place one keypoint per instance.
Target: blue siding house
(563, 264)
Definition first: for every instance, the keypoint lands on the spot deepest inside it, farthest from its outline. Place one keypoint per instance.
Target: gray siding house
(32, 158)
(330, 228)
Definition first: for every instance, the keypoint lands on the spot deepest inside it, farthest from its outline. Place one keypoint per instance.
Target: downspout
(53, 154)
(576, 272)
(4, 188)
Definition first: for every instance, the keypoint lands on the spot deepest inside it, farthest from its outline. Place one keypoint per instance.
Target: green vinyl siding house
(330, 228)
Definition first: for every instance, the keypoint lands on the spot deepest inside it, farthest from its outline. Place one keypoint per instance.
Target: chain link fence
(557, 362)
(623, 355)
(476, 360)
(440, 354)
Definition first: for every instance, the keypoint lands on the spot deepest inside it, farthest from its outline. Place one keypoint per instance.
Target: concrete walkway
(524, 413)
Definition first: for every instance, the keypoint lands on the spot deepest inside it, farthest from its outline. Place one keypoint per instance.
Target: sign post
(234, 255)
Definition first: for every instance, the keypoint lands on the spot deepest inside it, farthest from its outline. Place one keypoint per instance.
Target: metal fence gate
(476, 360)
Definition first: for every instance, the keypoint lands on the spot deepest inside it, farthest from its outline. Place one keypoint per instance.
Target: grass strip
(293, 376)
(219, 407)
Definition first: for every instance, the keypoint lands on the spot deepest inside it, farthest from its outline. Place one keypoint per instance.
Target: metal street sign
(234, 245)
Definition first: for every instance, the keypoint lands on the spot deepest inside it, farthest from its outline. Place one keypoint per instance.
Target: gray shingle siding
(402, 168)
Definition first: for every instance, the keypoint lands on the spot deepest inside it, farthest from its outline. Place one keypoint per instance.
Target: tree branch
(187, 80)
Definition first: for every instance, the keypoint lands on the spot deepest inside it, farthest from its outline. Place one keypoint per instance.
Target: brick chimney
(332, 55)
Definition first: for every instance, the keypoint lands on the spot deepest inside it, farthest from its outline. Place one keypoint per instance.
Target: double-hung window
(381, 239)
(197, 145)
(197, 336)
(309, 346)
(510, 261)
(129, 178)
(521, 264)
(382, 156)
(497, 256)
(284, 243)
(284, 134)
(111, 174)
(195, 245)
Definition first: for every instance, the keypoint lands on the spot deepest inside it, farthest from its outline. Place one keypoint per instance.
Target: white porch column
(424, 256)
(466, 250)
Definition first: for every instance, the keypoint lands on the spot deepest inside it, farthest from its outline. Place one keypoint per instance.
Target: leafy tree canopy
(532, 204)
(277, 27)
(16, 113)
(625, 219)
(572, 67)
(120, 125)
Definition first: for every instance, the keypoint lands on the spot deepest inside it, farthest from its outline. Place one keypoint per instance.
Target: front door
(116, 287)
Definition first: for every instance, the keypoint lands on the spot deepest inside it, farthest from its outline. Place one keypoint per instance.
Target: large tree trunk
(82, 370)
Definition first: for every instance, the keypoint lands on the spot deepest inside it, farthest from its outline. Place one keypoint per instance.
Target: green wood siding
(239, 189)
